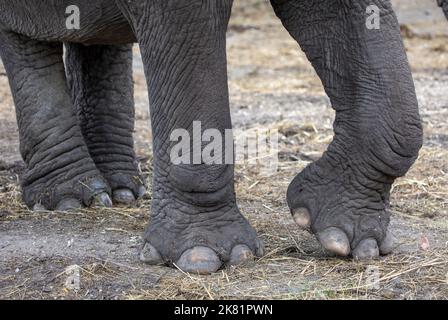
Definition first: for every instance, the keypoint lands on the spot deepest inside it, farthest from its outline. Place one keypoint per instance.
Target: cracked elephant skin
(76, 119)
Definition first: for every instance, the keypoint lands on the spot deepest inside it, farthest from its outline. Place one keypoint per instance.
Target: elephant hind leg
(101, 84)
(343, 197)
(444, 5)
(60, 174)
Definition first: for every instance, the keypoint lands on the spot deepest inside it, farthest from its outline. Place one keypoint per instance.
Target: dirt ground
(272, 85)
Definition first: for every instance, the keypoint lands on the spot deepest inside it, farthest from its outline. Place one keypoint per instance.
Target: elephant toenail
(366, 249)
(102, 200)
(389, 243)
(302, 217)
(39, 207)
(68, 204)
(240, 255)
(141, 192)
(334, 240)
(150, 255)
(201, 260)
(124, 196)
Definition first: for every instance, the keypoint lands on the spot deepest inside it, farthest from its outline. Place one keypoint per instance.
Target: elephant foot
(202, 242)
(66, 194)
(343, 208)
(90, 191)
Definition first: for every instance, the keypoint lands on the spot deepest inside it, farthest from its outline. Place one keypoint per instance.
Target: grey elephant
(76, 119)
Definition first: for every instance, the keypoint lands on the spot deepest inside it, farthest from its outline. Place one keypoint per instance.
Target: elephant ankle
(382, 151)
(202, 186)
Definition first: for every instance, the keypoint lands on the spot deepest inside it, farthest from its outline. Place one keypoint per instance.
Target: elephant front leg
(195, 222)
(60, 174)
(100, 79)
(343, 197)
(444, 5)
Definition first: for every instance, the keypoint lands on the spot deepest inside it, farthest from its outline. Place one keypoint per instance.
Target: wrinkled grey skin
(76, 122)
(444, 5)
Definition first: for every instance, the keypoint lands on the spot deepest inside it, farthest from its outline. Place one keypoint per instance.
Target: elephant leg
(444, 5)
(100, 79)
(60, 174)
(195, 222)
(343, 197)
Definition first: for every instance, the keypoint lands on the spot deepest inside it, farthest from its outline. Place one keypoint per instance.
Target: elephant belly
(100, 21)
